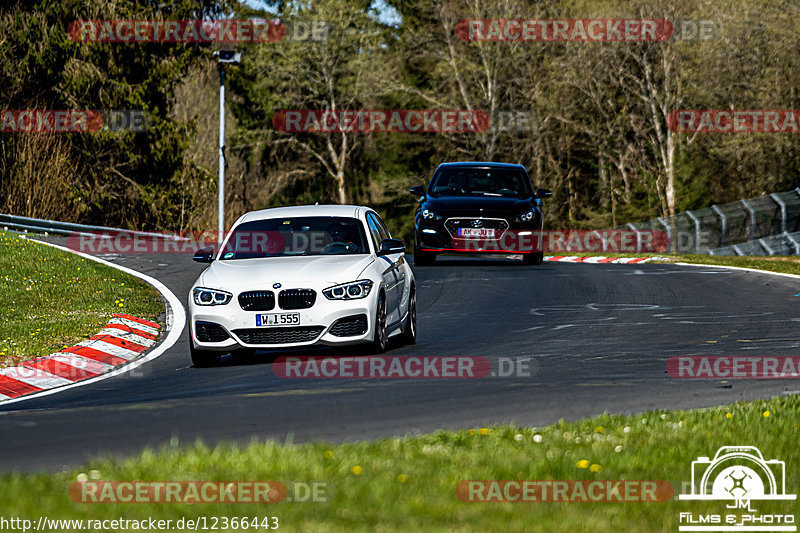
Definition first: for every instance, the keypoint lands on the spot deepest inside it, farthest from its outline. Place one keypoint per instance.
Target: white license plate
(278, 319)
(476, 232)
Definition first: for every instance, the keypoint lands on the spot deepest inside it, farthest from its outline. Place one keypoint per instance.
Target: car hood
(478, 206)
(288, 271)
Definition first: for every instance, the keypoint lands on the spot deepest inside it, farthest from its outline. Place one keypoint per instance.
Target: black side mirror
(392, 246)
(543, 193)
(417, 190)
(204, 255)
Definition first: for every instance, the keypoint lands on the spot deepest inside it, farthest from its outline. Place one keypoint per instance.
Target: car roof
(352, 211)
(481, 164)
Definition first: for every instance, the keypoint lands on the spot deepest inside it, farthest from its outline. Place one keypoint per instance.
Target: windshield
(280, 237)
(471, 181)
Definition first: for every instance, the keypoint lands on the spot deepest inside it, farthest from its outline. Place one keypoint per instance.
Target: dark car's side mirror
(392, 246)
(543, 193)
(417, 190)
(204, 255)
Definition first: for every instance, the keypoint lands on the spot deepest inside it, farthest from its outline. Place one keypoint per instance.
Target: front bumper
(519, 238)
(316, 325)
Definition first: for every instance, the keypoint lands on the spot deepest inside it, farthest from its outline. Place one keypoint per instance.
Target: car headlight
(427, 214)
(210, 296)
(348, 291)
(527, 217)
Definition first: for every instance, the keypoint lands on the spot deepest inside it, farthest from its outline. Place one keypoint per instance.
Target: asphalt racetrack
(597, 337)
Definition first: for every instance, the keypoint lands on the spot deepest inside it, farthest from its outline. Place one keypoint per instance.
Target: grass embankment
(52, 299)
(409, 484)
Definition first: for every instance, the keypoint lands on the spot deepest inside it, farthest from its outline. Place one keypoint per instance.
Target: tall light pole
(224, 57)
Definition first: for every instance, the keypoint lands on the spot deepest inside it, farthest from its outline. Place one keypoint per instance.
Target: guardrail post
(696, 230)
(669, 231)
(752, 228)
(724, 220)
(793, 241)
(638, 236)
(782, 205)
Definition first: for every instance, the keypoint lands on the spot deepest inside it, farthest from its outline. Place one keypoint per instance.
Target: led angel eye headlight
(204, 296)
(349, 291)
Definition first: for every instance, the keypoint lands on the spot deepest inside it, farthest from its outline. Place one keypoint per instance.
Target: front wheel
(379, 336)
(409, 334)
(203, 358)
(423, 258)
(535, 258)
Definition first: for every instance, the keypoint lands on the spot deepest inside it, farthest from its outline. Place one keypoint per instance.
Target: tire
(534, 259)
(409, 334)
(203, 358)
(378, 344)
(423, 258)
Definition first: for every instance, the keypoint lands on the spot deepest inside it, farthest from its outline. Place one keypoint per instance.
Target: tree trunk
(670, 172)
(340, 187)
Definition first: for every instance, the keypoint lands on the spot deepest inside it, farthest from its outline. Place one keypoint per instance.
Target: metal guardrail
(766, 225)
(38, 225)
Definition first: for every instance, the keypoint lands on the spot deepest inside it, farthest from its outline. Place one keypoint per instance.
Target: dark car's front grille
(350, 326)
(210, 332)
(452, 224)
(296, 298)
(257, 300)
(279, 335)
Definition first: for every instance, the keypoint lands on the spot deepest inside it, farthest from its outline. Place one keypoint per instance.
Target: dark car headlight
(427, 214)
(349, 291)
(204, 296)
(527, 216)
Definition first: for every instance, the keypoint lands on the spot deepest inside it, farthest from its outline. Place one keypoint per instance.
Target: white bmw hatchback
(301, 276)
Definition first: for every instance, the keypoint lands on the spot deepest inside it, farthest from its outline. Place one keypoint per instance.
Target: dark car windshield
(280, 237)
(477, 181)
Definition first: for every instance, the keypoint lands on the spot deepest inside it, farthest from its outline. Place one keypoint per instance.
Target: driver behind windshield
(337, 240)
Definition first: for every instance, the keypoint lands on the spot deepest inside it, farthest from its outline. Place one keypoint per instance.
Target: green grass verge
(409, 484)
(52, 299)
